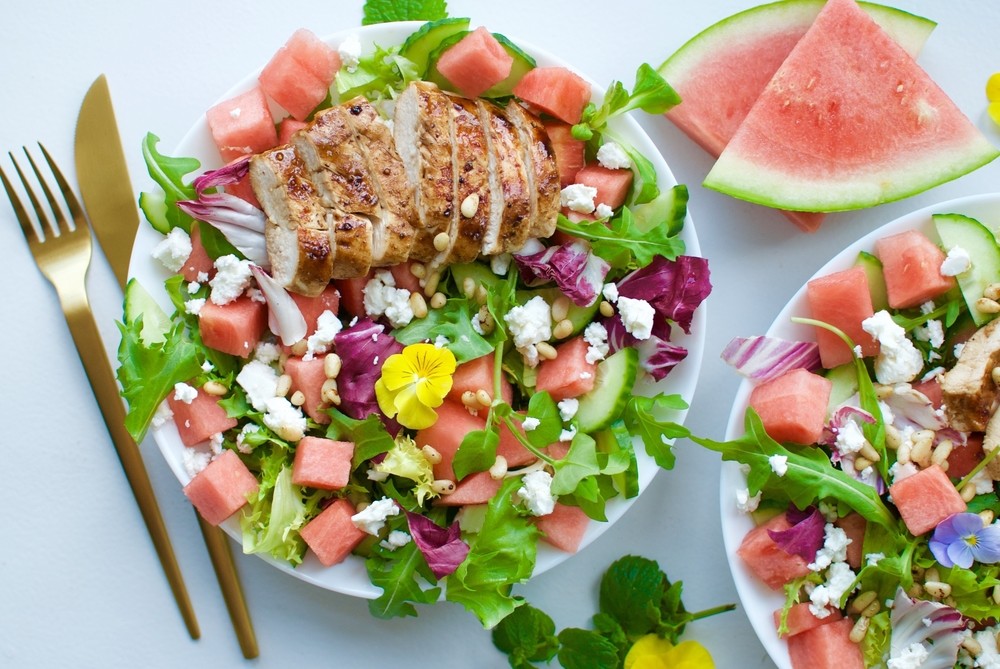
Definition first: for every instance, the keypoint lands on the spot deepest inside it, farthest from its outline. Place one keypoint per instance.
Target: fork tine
(19, 211)
(75, 210)
(60, 219)
(44, 222)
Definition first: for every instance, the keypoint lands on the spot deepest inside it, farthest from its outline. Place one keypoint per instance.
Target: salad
(860, 509)
(431, 420)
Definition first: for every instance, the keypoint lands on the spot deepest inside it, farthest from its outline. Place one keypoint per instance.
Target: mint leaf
(384, 11)
(630, 593)
(396, 572)
(644, 417)
(584, 649)
(452, 321)
(527, 635)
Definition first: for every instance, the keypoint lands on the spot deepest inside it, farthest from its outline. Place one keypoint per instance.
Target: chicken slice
(970, 395)
(541, 170)
(510, 224)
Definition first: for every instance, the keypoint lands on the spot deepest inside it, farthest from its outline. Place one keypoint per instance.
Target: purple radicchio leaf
(223, 176)
(363, 347)
(442, 547)
(675, 288)
(577, 272)
(284, 318)
(804, 537)
(911, 408)
(657, 355)
(839, 419)
(920, 621)
(762, 358)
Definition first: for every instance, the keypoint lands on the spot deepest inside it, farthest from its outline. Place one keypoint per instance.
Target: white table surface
(80, 584)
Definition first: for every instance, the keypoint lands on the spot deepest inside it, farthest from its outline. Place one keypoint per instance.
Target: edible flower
(414, 383)
(963, 538)
(993, 95)
(653, 652)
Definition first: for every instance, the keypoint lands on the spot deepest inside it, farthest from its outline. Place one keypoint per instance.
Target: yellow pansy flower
(993, 95)
(653, 652)
(414, 383)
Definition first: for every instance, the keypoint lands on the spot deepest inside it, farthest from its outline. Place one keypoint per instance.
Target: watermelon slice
(848, 121)
(717, 94)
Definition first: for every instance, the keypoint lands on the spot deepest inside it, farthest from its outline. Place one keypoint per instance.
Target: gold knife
(110, 203)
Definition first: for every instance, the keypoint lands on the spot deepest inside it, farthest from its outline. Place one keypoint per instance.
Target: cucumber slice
(579, 316)
(432, 73)
(617, 439)
(876, 280)
(418, 47)
(669, 208)
(478, 272)
(523, 63)
(971, 235)
(845, 384)
(612, 388)
(155, 323)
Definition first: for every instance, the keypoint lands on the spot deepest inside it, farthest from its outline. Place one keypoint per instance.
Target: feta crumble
(596, 336)
(610, 292)
(834, 548)
(284, 418)
(911, 657)
(613, 156)
(958, 261)
(267, 352)
(260, 382)
(536, 492)
(195, 460)
(898, 360)
(779, 464)
(500, 263)
(637, 316)
(162, 415)
(232, 277)
(839, 581)
(185, 393)
(603, 211)
(746, 503)
(350, 52)
(567, 435)
(372, 518)
(396, 539)
(850, 438)
(578, 198)
(327, 327)
(383, 298)
(530, 423)
(568, 408)
(241, 444)
(530, 324)
(173, 250)
(194, 305)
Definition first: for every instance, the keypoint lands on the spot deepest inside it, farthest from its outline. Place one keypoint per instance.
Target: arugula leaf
(584, 649)
(168, 173)
(369, 435)
(527, 635)
(384, 11)
(578, 463)
(621, 242)
(452, 321)
(396, 573)
(651, 93)
(477, 452)
(643, 416)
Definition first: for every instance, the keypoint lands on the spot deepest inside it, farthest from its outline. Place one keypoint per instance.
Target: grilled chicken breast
(510, 223)
(543, 175)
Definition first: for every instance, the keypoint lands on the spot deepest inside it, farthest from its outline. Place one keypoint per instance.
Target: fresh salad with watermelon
(868, 454)
(350, 381)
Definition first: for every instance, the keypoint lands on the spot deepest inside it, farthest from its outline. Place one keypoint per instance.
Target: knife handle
(90, 347)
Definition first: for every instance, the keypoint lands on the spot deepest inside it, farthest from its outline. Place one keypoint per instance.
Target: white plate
(758, 600)
(350, 577)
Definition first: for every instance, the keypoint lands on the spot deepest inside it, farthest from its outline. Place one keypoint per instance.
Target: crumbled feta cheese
(834, 548)
(162, 415)
(232, 277)
(235, 112)
(207, 366)
(873, 558)
(536, 492)
(195, 460)
(530, 324)
(383, 298)
(256, 295)
(441, 341)
(173, 250)
(982, 481)
(613, 156)
(911, 657)
(850, 438)
(530, 423)
(350, 52)
(185, 393)
(746, 503)
(989, 658)
(568, 408)
(477, 325)
(637, 316)
(840, 578)
(372, 518)
(779, 464)
(376, 475)
(500, 263)
(193, 287)
(215, 443)
(396, 539)
(596, 336)
(327, 327)
(241, 444)
(898, 360)
(193, 306)
(958, 261)
(260, 382)
(202, 277)
(567, 435)
(603, 211)
(578, 198)
(267, 352)
(284, 418)
(610, 292)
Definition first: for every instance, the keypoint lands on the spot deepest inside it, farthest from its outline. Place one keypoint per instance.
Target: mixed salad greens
(924, 599)
(477, 553)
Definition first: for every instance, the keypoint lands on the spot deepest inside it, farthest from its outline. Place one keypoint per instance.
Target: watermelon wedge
(717, 95)
(848, 121)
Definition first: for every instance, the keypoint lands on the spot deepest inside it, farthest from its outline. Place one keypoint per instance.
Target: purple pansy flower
(962, 538)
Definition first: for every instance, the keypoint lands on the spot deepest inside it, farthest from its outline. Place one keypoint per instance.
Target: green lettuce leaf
(623, 243)
(168, 173)
(278, 510)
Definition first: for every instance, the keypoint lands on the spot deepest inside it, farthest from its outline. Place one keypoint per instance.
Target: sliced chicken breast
(508, 183)
(541, 170)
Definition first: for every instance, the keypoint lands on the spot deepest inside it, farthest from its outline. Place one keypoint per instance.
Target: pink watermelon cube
(793, 406)
(826, 647)
(403, 274)
(568, 374)
(555, 91)
(352, 294)
(221, 488)
(233, 328)
(477, 488)
(242, 125)
(766, 559)
(198, 263)
(200, 419)
(322, 463)
(308, 377)
(512, 449)
(612, 185)
(841, 299)
(313, 307)
(475, 63)
(564, 527)
(299, 75)
(288, 127)
(244, 190)
(331, 535)
(477, 374)
(911, 263)
(925, 499)
(854, 526)
(570, 152)
(800, 618)
(453, 423)
(963, 459)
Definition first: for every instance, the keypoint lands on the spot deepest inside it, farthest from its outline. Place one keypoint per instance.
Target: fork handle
(90, 347)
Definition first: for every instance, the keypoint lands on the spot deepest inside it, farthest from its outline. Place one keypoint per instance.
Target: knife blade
(109, 200)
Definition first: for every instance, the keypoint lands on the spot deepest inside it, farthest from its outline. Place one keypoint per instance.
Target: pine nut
(903, 452)
(869, 452)
(214, 388)
(481, 294)
(290, 433)
(418, 269)
(284, 385)
(968, 493)
(332, 365)
(996, 594)
(882, 391)
(298, 398)
(483, 398)
(432, 454)
(892, 437)
(988, 516)
(871, 610)
(282, 359)
(560, 308)
(861, 463)
(606, 309)
(937, 589)
(992, 292)
(974, 647)
(418, 305)
(499, 468)
(438, 300)
(931, 574)
(915, 591)
(469, 287)
(470, 205)
(546, 350)
(920, 452)
(563, 329)
(431, 283)
(486, 322)
(300, 347)
(861, 602)
(859, 630)
(941, 453)
(469, 399)
(443, 486)
(987, 306)
(441, 241)
(330, 393)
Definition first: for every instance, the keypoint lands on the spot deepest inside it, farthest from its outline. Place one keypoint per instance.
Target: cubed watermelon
(403, 274)
(198, 263)
(911, 263)
(308, 377)
(800, 618)
(243, 189)
(322, 463)
(841, 299)
(477, 488)
(331, 535)
(453, 423)
(221, 488)
(475, 375)
(854, 526)
(352, 294)
(555, 91)
(931, 389)
(612, 185)
(299, 75)
(568, 374)
(963, 459)
(826, 647)
(564, 527)
(476, 63)
(313, 307)
(766, 559)
(288, 127)
(200, 419)
(242, 125)
(793, 406)
(570, 153)
(316, 56)
(512, 449)
(233, 328)
(925, 499)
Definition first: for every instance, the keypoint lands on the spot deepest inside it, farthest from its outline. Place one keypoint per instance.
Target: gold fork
(62, 253)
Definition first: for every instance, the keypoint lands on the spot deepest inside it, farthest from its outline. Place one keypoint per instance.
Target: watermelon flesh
(841, 299)
(793, 406)
(911, 264)
(331, 535)
(848, 121)
(221, 489)
(826, 647)
(925, 499)
(556, 91)
(476, 63)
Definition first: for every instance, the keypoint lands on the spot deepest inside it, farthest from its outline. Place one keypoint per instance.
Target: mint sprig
(384, 11)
